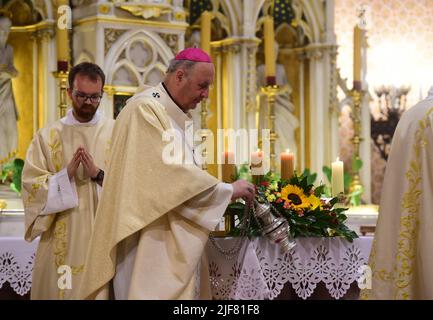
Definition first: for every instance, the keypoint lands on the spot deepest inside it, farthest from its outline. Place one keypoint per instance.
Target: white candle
(337, 177)
(257, 163)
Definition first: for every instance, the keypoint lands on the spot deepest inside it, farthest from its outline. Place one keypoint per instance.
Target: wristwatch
(99, 177)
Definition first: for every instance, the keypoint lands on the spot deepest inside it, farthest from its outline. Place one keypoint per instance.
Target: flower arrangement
(300, 203)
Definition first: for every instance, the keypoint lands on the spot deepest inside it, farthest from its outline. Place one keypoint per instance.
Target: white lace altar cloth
(260, 271)
(16, 263)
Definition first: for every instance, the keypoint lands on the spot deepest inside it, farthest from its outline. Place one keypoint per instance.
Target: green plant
(299, 201)
(12, 172)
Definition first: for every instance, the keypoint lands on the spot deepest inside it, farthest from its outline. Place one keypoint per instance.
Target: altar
(259, 271)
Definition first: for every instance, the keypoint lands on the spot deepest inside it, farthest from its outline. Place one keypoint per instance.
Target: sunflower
(295, 196)
(314, 201)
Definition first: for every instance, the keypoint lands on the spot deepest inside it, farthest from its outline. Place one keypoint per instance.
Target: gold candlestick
(271, 92)
(62, 77)
(357, 95)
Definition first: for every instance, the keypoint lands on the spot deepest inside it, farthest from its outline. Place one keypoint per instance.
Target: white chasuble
(150, 239)
(401, 259)
(59, 211)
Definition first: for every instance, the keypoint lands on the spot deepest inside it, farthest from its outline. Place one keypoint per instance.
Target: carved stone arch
(231, 11)
(44, 7)
(84, 56)
(119, 57)
(120, 68)
(257, 13)
(314, 20)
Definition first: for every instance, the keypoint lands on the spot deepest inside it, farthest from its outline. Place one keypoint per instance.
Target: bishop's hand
(243, 189)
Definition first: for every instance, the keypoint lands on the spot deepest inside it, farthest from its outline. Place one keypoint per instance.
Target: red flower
(264, 183)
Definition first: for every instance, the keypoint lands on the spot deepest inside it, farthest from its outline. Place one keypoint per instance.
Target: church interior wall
(25, 100)
(399, 54)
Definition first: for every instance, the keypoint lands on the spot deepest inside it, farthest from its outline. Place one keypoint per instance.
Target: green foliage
(243, 173)
(324, 220)
(12, 172)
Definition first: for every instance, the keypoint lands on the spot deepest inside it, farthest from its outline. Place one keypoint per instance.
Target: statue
(285, 121)
(8, 110)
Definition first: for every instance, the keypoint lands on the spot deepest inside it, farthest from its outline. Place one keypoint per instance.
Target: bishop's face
(195, 85)
(85, 95)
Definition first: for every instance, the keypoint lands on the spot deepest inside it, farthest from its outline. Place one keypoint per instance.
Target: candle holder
(62, 78)
(271, 91)
(357, 95)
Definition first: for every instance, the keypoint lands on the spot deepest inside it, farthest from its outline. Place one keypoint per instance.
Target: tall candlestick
(287, 165)
(357, 56)
(62, 37)
(269, 38)
(228, 167)
(205, 31)
(337, 177)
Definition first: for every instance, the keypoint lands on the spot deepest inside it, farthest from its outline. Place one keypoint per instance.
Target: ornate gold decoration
(119, 90)
(129, 22)
(35, 188)
(110, 36)
(104, 9)
(251, 85)
(3, 204)
(172, 40)
(401, 275)
(61, 250)
(357, 139)
(180, 16)
(146, 10)
(41, 26)
(42, 34)
(62, 78)
(271, 92)
(56, 151)
(333, 100)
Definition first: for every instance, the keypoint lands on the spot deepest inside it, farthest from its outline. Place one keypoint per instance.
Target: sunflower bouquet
(297, 200)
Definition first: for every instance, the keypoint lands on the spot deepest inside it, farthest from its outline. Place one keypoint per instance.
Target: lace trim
(18, 276)
(266, 279)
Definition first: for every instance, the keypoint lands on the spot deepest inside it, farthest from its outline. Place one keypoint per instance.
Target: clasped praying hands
(82, 156)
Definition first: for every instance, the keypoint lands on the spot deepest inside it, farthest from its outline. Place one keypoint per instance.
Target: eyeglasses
(81, 97)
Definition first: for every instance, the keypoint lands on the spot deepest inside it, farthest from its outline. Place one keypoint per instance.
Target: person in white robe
(62, 177)
(401, 259)
(155, 217)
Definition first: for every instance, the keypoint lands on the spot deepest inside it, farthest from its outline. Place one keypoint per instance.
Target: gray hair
(177, 64)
